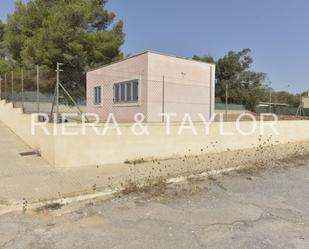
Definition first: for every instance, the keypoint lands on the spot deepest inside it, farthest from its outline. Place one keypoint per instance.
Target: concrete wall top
(92, 149)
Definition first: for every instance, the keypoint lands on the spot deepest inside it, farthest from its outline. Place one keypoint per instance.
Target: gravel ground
(245, 209)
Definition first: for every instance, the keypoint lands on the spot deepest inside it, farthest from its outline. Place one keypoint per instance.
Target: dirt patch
(50, 207)
(196, 170)
(253, 170)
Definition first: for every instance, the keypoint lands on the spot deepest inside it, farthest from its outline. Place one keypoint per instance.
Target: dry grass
(137, 161)
(261, 158)
(130, 187)
(251, 170)
(155, 187)
(49, 207)
(254, 162)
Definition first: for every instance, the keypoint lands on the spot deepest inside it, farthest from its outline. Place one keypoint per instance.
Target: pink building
(152, 83)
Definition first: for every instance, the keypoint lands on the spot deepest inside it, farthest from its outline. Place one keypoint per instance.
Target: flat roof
(152, 52)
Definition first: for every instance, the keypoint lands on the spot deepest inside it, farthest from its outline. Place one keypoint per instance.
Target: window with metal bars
(126, 92)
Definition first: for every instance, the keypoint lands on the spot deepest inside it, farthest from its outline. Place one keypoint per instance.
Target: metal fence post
(163, 98)
(0, 88)
(57, 89)
(22, 88)
(57, 94)
(12, 81)
(5, 88)
(226, 100)
(270, 101)
(38, 87)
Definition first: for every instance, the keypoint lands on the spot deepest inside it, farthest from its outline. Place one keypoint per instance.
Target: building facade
(152, 83)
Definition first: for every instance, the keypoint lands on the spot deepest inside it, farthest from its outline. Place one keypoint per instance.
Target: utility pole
(57, 88)
(226, 99)
(300, 110)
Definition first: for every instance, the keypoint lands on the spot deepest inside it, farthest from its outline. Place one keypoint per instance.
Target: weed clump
(50, 206)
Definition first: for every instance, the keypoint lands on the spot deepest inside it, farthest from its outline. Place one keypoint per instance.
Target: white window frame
(125, 102)
(94, 96)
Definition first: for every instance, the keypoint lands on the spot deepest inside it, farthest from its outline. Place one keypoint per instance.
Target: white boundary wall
(91, 149)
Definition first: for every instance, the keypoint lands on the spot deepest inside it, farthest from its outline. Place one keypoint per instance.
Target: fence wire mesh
(282, 110)
(33, 90)
(122, 93)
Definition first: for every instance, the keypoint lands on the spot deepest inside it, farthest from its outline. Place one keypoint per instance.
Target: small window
(97, 95)
(116, 93)
(126, 92)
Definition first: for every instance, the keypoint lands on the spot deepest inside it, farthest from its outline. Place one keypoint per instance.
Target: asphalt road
(268, 209)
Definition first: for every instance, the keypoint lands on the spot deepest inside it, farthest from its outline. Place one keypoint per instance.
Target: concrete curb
(22, 205)
(103, 195)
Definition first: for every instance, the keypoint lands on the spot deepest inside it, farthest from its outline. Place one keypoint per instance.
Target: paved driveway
(31, 178)
(266, 210)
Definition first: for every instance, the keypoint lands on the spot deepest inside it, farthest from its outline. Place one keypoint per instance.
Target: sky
(275, 30)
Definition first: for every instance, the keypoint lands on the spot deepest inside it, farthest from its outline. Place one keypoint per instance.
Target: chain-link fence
(283, 110)
(121, 93)
(34, 90)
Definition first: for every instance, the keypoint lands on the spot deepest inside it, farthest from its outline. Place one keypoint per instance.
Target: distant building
(152, 83)
(267, 104)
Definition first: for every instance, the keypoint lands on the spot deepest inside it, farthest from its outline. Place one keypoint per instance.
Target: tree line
(83, 34)
(245, 87)
(79, 33)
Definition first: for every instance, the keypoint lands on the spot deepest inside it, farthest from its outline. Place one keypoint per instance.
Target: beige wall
(188, 87)
(135, 68)
(97, 150)
(91, 149)
(20, 124)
